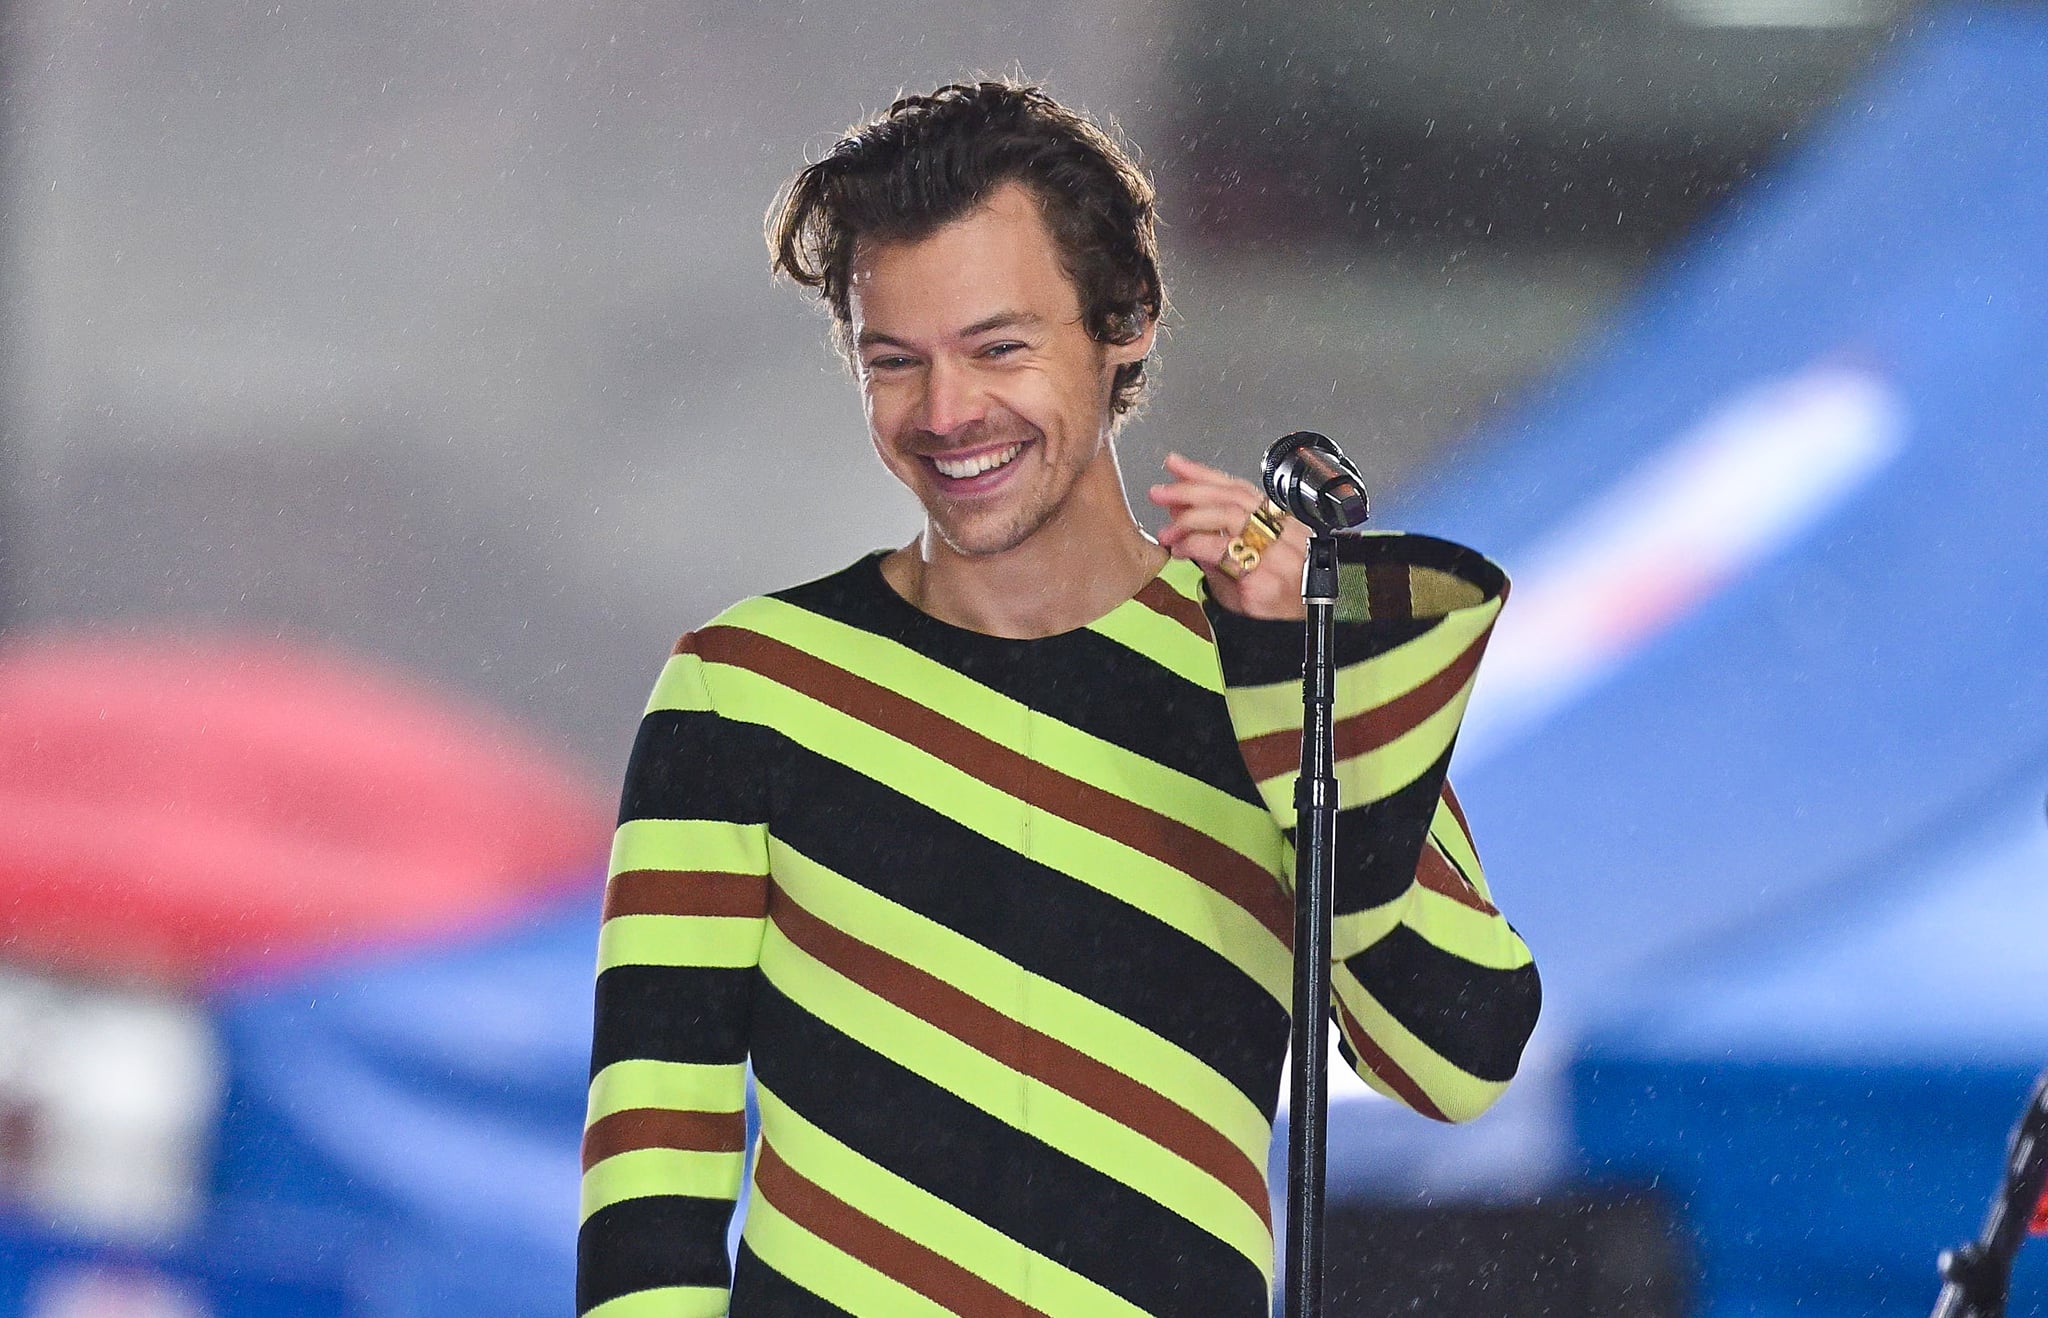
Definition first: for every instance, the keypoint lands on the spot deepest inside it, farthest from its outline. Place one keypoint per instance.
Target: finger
(1199, 472)
(1204, 548)
(1238, 494)
(1227, 518)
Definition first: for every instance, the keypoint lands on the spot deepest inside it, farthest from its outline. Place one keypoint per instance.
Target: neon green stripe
(1030, 1105)
(680, 686)
(1352, 933)
(1368, 683)
(1447, 925)
(1378, 774)
(1452, 841)
(678, 940)
(1138, 880)
(667, 1302)
(827, 1271)
(1078, 1021)
(912, 1211)
(689, 844)
(1457, 929)
(1459, 1096)
(1165, 642)
(1059, 746)
(679, 1086)
(639, 1173)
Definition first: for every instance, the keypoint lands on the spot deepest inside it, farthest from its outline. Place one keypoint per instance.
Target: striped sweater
(1003, 928)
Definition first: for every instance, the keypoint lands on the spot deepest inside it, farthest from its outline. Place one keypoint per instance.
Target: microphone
(1309, 476)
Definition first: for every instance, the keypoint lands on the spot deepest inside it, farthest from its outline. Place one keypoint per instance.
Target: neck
(1089, 557)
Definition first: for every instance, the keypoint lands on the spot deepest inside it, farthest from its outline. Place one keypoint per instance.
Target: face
(984, 392)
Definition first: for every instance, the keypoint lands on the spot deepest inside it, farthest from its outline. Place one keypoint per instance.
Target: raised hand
(1206, 509)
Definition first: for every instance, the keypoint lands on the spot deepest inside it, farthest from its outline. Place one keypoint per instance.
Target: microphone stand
(1976, 1277)
(1315, 836)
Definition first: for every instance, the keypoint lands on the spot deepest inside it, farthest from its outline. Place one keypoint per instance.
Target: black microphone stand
(1315, 839)
(1310, 477)
(1976, 1277)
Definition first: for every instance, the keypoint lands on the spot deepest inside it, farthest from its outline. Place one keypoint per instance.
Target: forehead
(999, 257)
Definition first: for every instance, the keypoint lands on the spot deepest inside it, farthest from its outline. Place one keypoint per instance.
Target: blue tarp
(1781, 854)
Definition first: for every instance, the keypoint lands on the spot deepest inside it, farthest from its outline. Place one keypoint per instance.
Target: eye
(892, 362)
(1004, 348)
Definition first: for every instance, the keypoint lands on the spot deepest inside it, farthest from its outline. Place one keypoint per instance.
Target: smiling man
(976, 850)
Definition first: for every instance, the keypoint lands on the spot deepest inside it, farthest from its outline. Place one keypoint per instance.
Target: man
(976, 849)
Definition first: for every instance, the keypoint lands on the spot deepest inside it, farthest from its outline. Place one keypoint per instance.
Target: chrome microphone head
(1308, 475)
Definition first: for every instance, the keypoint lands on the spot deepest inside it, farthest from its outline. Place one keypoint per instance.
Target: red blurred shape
(2039, 1225)
(176, 808)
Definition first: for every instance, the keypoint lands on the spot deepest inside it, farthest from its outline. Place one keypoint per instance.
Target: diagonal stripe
(685, 892)
(916, 1211)
(663, 1128)
(680, 845)
(1370, 729)
(1434, 871)
(678, 940)
(1375, 1059)
(1366, 682)
(1037, 1112)
(1229, 872)
(911, 1263)
(666, 1302)
(642, 1173)
(691, 1086)
(680, 685)
(1386, 586)
(1080, 1021)
(1163, 599)
(1179, 790)
(1030, 1052)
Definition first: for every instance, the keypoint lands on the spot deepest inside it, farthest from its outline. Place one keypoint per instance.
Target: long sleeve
(684, 912)
(1434, 993)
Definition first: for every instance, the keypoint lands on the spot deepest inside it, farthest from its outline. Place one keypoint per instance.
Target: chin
(982, 539)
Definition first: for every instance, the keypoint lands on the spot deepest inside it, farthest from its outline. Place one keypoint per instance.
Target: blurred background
(384, 388)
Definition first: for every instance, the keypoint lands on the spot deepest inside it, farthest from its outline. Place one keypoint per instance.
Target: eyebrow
(1001, 320)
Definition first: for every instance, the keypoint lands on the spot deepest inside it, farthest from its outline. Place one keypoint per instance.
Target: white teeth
(965, 467)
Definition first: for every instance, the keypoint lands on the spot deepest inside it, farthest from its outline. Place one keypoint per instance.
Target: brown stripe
(1369, 729)
(1450, 799)
(685, 892)
(883, 1248)
(663, 1128)
(1440, 874)
(1029, 1051)
(1230, 873)
(1164, 599)
(1374, 1059)
(1387, 592)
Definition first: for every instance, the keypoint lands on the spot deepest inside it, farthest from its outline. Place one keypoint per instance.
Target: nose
(953, 398)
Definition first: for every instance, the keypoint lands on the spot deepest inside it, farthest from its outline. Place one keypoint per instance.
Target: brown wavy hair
(928, 160)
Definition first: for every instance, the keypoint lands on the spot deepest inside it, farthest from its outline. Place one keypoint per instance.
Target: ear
(1123, 354)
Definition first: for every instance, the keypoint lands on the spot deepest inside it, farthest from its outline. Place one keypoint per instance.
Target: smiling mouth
(974, 465)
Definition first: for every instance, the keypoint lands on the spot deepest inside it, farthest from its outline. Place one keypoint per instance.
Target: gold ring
(1261, 529)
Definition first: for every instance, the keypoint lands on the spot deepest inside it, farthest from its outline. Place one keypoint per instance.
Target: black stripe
(1046, 1201)
(692, 764)
(1081, 678)
(1378, 844)
(659, 1240)
(672, 1014)
(1474, 1017)
(1052, 925)
(1260, 651)
(759, 1291)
